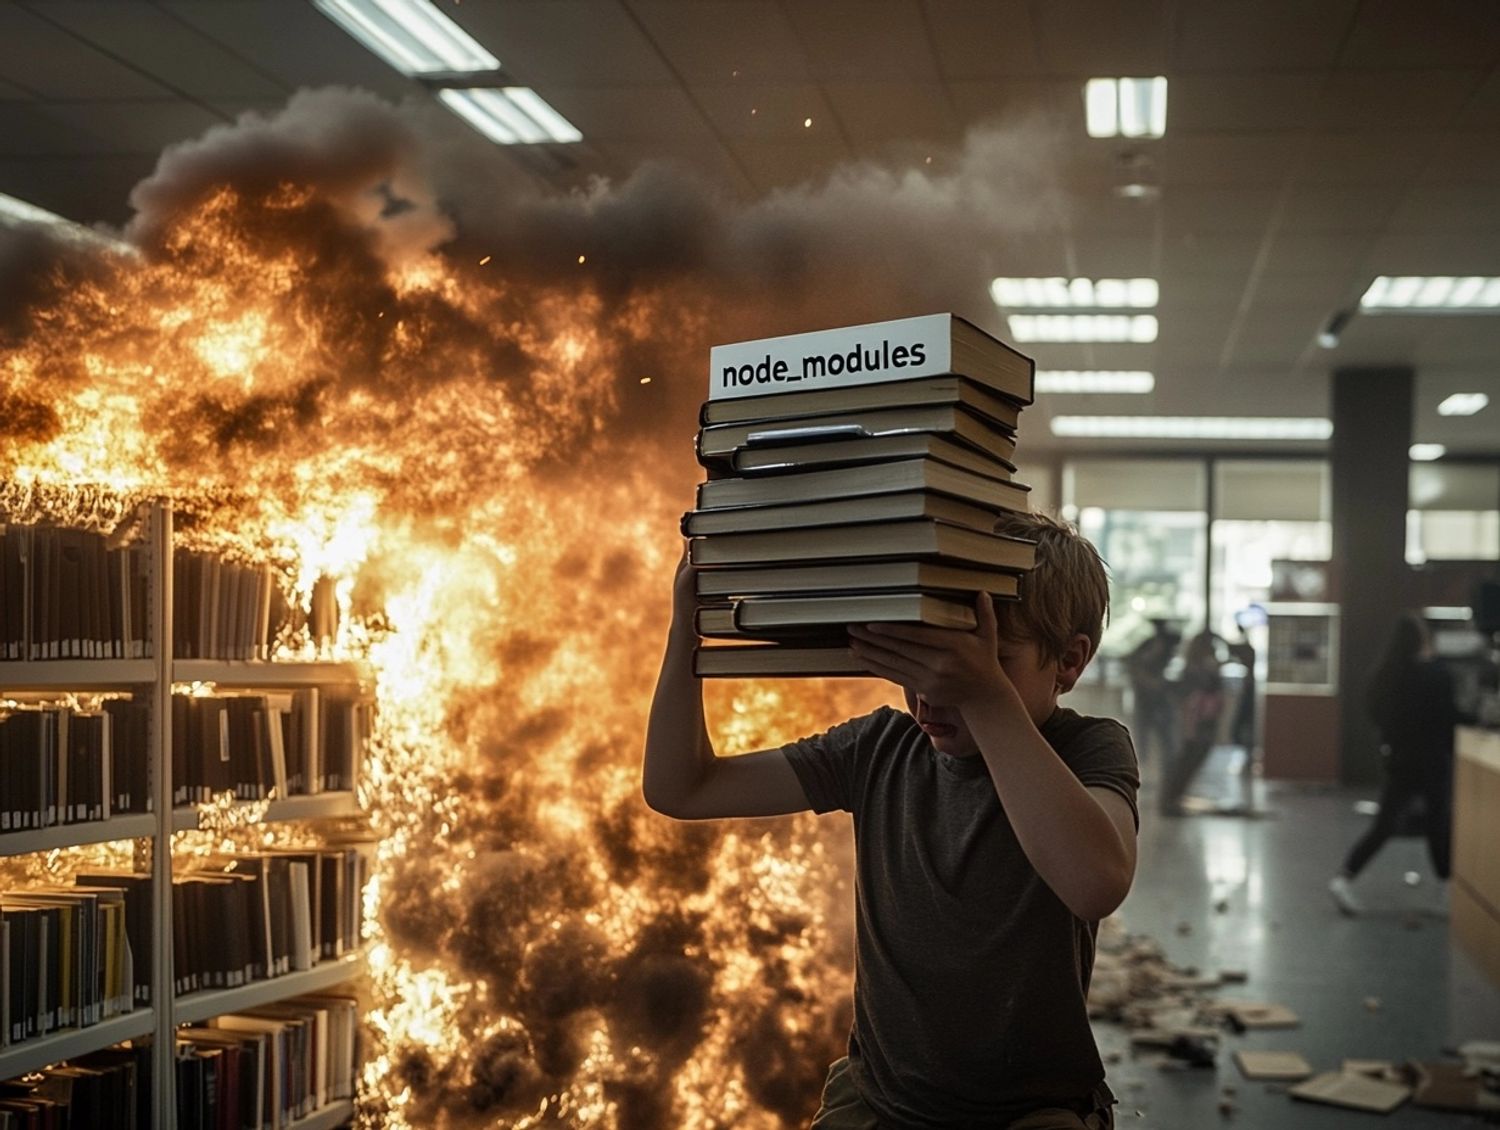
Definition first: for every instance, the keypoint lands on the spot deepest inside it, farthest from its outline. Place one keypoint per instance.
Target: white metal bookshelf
(152, 680)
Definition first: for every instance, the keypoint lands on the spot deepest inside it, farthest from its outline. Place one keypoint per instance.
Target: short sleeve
(1101, 755)
(830, 765)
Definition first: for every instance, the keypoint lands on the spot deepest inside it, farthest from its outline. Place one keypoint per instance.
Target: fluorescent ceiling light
(1463, 404)
(1193, 427)
(1140, 328)
(510, 115)
(1126, 107)
(411, 35)
(14, 210)
(1432, 294)
(1087, 294)
(1426, 452)
(1094, 380)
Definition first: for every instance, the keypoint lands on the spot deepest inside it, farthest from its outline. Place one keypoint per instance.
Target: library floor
(1250, 893)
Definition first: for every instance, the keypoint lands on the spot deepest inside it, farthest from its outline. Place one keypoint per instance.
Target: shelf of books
(251, 947)
(42, 1051)
(194, 1007)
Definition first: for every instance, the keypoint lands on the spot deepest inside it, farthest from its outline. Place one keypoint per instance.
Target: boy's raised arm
(681, 776)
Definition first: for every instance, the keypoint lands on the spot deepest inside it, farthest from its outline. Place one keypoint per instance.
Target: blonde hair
(1066, 594)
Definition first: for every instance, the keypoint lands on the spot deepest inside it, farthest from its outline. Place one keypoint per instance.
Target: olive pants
(843, 1109)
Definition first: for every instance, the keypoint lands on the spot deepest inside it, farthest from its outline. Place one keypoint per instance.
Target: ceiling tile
(567, 42)
(1482, 111)
(1233, 101)
(639, 113)
(983, 38)
(136, 127)
(1447, 208)
(1316, 254)
(30, 129)
(1221, 209)
(1436, 253)
(1253, 35)
(1436, 33)
(1222, 159)
(1045, 104)
(718, 41)
(1464, 157)
(11, 93)
(775, 163)
(865, 39)
(294, 43)
(1321, 291)
(1205, 290)
(1103, 37)
(1370, 156)
(885, 111)
(1397, 100)
(767, 112)
(1115, 256)
(1101, 212)
(1311, 208)
(47, 59)
(1209, 254)
(173, 52)
(86, 189)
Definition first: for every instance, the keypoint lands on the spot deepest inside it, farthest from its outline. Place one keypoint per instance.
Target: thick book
(863, 576)
(920, 537)
(924, 346)
(749, 660)
(719, 442)
(1002, 411)
(861, 480)
(840, 511)
(857, 451)
(761, 614)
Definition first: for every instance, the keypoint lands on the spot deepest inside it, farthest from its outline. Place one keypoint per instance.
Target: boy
(993, 829)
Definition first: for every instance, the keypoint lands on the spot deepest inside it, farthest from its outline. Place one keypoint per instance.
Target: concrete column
(1372, 430)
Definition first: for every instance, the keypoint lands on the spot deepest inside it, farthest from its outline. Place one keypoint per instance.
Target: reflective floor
(1250, 893)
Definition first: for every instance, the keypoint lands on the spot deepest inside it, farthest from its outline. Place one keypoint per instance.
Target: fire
(453, 451)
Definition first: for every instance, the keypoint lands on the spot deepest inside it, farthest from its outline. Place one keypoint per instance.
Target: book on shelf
(69, 766)
(895, 350)
(224, 609)
(68, 594)
(917, 537)
(840, 511)
(99, 1090)
(135, 888)
(861, 576)
(719, 444)
(769, 616)
(859, 481)
(777, 408)
(833, 451)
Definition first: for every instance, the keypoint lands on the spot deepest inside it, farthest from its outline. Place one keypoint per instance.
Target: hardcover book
(920, 537)
(902, 349)
(850, 482)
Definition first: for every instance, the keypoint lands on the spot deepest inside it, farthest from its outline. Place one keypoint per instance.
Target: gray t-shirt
(970, 974)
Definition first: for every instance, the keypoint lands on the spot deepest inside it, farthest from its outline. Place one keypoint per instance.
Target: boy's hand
(946, 666)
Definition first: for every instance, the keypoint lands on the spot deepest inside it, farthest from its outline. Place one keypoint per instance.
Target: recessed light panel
(1137, 328)
(1126, 107)
(1432, 294)
(1194, 427)
(1076, 294)
(1426, 452)
(1463, 404)
(411, 35)
(509, 115)
(1094, 380)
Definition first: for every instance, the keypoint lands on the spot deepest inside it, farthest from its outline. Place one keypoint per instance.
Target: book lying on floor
(857, 481)
(721, 442)
(918, 537)
(948, 389)
(840, 511)
(849, 451)
(1357, 1092)
(1272, 1065)
(745, 660)
(927, 345)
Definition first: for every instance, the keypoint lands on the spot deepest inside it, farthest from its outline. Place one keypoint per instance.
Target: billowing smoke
(350, 324)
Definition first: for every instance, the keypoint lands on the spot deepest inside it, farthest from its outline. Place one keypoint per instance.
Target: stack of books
(855, 475)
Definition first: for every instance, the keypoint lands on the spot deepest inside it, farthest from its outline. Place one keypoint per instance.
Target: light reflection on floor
(1249, 892)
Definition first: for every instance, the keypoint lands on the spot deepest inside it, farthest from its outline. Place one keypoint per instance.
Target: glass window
(1146, 517)
(1454, 512)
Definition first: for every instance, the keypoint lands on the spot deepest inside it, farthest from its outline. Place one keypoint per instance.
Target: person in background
(1410, 700)
(993, 829)
(1202, 691)
(1242, 725)
(1155, 707)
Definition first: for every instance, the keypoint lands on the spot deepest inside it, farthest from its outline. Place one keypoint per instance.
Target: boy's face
(1035, 681)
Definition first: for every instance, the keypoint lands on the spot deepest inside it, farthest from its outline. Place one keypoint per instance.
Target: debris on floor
(1354, 1091)
(1267, 1065)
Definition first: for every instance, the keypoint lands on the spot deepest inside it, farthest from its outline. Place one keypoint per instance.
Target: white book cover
(898, 350)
